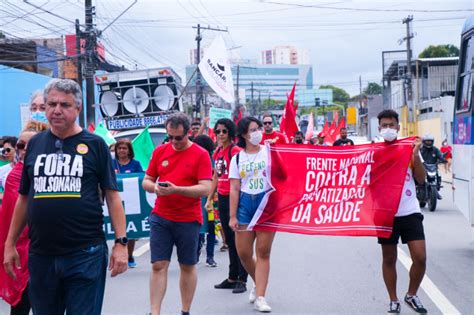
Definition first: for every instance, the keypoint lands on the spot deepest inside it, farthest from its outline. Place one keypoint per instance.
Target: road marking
(438, 298)
(141, 250)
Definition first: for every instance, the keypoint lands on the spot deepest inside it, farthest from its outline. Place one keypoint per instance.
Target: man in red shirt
(179, 174)
(269, 135)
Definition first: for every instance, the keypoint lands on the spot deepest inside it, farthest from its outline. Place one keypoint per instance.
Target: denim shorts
(248, 205)
(164, 234)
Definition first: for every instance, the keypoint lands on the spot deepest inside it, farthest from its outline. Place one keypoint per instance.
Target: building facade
(265, 81)
(433, 86)
(285, 55)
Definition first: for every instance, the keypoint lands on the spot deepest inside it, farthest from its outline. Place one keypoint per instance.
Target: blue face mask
(39, 116)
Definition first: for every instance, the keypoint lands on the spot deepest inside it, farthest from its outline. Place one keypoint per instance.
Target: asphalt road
(321, 275)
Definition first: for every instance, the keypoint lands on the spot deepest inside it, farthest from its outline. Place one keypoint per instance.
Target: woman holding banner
(248, 186)
(124, 163)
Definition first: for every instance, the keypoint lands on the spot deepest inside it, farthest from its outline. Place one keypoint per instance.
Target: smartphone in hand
(163, 184)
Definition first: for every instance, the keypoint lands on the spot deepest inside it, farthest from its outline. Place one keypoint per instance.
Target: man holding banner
(407, 224)
(179, 174)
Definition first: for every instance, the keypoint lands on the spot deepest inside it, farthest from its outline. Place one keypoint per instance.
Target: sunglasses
(20, 145)
(6, 150)
(177, 138)
(59, 149)
(219, 131)
(267, 122)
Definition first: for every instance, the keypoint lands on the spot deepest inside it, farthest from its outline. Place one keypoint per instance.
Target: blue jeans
(73, 283)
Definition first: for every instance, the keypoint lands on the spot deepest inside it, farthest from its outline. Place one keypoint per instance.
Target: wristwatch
(121, 240)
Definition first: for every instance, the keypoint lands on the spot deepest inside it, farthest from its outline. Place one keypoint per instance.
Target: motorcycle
(428, 192)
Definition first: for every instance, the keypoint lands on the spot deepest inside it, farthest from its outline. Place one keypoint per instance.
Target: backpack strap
(230, 151)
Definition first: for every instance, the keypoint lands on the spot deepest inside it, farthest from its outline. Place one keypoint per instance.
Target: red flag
(239, 115)
(11, 290)
(331, 136)
(334, 190)
(288, 124)
(310, 129)
(91, 127)
(342, 124)
(326, 129)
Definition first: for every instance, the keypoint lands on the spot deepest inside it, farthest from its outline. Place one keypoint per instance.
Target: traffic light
(317, 102)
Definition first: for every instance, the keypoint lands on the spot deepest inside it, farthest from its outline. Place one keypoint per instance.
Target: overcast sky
(346, 38)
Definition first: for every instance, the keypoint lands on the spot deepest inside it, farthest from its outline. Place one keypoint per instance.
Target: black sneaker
(394, 307)
(415, 303)
(226, 284)
(240, 287)
(210, 262)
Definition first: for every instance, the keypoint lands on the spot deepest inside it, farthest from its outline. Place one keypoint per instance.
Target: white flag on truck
(215, 69)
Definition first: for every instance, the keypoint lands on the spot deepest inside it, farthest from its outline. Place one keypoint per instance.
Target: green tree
(339, 95)
(2, 35)
(434, 51)
(372, 89)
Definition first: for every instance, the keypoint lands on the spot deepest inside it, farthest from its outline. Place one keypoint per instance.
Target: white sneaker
(261, 305)
(252, 295)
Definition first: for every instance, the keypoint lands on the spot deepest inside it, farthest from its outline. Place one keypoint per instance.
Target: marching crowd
(57, 175)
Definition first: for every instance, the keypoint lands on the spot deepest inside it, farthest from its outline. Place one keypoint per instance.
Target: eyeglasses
(267, 122)
(59, 149)
(20, 145)
(177, 138)
(219, 131)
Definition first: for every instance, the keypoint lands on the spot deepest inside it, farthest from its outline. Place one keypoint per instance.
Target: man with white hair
(60, 201)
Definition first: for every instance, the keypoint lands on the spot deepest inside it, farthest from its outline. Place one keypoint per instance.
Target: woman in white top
(248, 185)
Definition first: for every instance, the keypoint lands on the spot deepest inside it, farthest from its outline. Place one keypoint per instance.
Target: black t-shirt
(61, 179)
(346, 141)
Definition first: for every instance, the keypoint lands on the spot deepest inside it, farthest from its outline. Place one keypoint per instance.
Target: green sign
(137, 204)
(217, 113)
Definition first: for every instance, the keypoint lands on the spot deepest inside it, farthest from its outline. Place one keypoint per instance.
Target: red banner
(348, 190)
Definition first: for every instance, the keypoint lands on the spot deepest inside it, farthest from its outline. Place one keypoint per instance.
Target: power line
(363, 9)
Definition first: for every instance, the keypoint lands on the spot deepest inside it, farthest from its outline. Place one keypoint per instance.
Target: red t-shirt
(182, 168)
(449, 150)
(222, 163)
(276, 137)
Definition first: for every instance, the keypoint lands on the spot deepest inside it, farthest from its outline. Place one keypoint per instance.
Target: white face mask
(389, 134)
(256, 137)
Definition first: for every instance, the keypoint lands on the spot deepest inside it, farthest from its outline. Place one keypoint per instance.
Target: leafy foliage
(434, 51)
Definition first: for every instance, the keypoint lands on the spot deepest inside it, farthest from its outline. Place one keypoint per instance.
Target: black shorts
(164, 234)
(409, 228)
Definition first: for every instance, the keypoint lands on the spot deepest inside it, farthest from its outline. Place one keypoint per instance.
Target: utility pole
(360, 104)
(79, 67)
(237, 101)
(408, 77)
(251, 99)
(197, 107)
(90, 66)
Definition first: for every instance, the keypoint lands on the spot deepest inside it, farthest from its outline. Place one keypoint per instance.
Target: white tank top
(408, 202)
